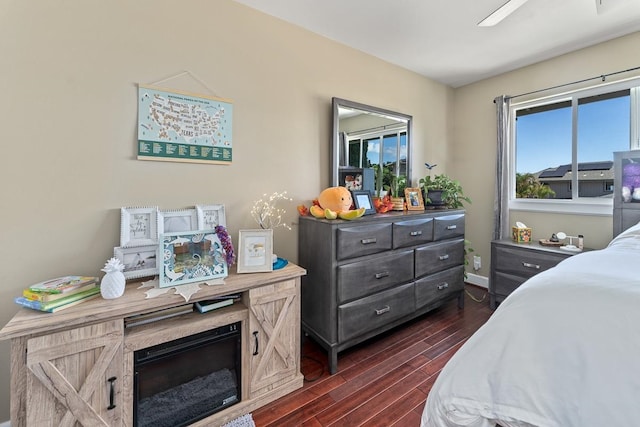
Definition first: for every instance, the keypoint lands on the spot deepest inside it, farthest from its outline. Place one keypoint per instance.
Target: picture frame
(413, 197)
(362, 199)
(192, 256)
(255, 251)
(138, 261)
(179, 220)
(138, 226)
(210, 216)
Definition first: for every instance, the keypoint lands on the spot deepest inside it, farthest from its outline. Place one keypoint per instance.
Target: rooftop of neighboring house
(592, 171)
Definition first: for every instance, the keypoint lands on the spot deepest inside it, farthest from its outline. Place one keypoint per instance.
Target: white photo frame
(177, 221)
(138, 261)
(210, 216)
(138, 226)
(256, 251)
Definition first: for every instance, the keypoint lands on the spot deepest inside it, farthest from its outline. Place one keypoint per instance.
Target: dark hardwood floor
(383, 381)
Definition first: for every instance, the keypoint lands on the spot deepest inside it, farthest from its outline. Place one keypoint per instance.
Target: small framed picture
(210, 216)
(190, 257)
(138, 226)
(138, 261)
(362, 199)
(178, 221)
(256, 251)
(414, 199)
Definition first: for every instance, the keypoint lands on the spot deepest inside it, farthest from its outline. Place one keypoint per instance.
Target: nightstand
(513, 263)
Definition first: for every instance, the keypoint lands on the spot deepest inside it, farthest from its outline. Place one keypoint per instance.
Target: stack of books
(216, 302)
(59, 293)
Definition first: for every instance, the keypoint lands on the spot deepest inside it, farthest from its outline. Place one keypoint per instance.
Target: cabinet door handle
(451, 227)
(529, 265)
(443, 257)
(368, 241)
(416, 233)
(442, 286)
(112, 393)
(383, 310)
(382, 275)
(255, 338)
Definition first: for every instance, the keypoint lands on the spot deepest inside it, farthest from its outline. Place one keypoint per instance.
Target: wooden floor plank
(383, 381)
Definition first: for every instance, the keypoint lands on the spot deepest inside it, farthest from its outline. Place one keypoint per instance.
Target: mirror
(365, 137)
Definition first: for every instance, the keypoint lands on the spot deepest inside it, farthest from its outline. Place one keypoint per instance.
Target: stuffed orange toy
(332, 203)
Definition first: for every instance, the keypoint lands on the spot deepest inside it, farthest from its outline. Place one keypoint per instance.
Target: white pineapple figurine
(112, 284)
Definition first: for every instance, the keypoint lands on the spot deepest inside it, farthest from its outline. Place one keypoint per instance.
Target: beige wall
(69, 76)
(472, 154)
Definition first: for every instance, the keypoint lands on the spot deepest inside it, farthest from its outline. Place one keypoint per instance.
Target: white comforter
(562, 350)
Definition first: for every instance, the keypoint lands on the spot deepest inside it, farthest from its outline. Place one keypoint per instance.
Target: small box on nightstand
(521, 235)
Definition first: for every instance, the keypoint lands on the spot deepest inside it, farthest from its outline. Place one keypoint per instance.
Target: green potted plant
(441, 191)
(396, 190)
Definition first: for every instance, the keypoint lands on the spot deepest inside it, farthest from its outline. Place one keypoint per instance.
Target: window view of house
(564, 149)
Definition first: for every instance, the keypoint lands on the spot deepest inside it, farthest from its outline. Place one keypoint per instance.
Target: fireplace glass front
(179, 382)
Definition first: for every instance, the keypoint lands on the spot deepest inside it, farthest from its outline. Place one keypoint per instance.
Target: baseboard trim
(474, 279)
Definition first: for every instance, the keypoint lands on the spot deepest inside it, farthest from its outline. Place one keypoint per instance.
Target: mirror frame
(335, 147)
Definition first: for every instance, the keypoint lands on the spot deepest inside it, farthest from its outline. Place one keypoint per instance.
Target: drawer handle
(416, 233)
(368, 241)
(112, 393)
(451, 227)
(383, 310)
(443, 257)
(382, 275)
(444, 285)
(529, 265)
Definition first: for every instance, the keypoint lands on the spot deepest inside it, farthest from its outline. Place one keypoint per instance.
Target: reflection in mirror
(365, 137)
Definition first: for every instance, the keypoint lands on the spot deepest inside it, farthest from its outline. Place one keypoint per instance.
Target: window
(380, 147)
(563, 146)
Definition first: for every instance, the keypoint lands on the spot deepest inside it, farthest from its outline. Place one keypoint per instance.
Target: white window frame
(577, 205)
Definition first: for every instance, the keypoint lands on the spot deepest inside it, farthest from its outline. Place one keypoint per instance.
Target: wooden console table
(63, 364)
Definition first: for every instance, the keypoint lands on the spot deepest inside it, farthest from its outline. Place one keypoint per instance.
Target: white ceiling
(440, 39)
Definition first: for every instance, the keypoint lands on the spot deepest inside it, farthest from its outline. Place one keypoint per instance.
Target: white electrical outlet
(477, 262)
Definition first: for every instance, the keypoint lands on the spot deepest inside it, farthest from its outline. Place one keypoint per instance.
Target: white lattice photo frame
(210, 216)
(138, 226)
(177, 221)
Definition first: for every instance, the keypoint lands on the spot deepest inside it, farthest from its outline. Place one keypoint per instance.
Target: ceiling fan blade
(502, 12)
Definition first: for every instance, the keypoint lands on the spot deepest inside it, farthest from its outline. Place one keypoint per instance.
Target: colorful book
(208, 305)
(62, 284)
(48, 306)
(47, 297)
(71, 304)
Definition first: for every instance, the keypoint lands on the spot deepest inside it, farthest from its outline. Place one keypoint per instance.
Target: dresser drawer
(366, 277)
(504, 284)
(439, 256)
(438, 286)
(363, 240)
(413, 232)
(524, 263)
(448, 226)
(375, 311)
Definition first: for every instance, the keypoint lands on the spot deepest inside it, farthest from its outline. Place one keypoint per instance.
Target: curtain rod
(602, 76)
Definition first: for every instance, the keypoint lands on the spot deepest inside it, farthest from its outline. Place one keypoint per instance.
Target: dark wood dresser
(371, 274)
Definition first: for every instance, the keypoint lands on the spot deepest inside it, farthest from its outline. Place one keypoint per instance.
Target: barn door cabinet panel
(76, 367)
(366, 276)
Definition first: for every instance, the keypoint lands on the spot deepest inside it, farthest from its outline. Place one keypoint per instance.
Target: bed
(563, 350)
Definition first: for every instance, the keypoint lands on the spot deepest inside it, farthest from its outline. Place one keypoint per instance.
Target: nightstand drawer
(414, 232)
(504, 284)
(448, 226)
(367, 314)
(524, 262)
(439, 256)
(365, 277)
(363, 240)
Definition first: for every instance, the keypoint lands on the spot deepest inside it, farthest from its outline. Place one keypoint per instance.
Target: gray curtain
(501, 202)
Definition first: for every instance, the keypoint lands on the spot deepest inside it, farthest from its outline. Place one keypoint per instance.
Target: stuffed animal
(332, 203)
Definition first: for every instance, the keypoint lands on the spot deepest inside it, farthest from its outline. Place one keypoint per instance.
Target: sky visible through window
(543, 140)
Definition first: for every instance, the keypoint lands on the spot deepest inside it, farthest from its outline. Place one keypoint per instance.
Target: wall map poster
(176, 126)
